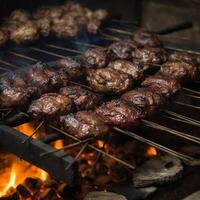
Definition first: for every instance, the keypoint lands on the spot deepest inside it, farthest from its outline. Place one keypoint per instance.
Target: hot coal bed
(145, 163)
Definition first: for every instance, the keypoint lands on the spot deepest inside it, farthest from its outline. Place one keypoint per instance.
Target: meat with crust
(95, 58)
(180, 70)
(121, 50)
(109, 81)
(44, 78)
(14, 91)
(83, 99)
(147, 100)
(24, 33)
(70, 66)
(133, 69)
(3, 37)
(20, 15)
(162, 85)
(84, 124)
(119, 113)
(50, 106)
(149, 55)
(145, 38)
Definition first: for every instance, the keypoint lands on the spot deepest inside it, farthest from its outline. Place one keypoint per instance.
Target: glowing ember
(151, 151)
(58, 144)
(100, 143)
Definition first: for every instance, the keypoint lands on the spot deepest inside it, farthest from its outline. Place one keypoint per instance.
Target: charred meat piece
(100, 14)
(50, 106)
(65, 27)
(84, 124)
(147, 100)
(83, 99)
(119, 113)
(3, 37)
(180, 70)
(95, 58)
(44, 79)
(70, 66)
(20, 15)
(24, 33)
(145, 38)
(133, 69)
(149, 55)
(44, 26)
(93, 25)
(182, 57)
(162, 85)
(121, 50)
(14, 91)
(109, 81)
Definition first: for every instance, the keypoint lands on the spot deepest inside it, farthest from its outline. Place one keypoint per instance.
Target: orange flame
(151, 151)
(58, 144)
(20, 169)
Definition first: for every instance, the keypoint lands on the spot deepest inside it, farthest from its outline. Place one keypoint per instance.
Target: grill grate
(48, 50)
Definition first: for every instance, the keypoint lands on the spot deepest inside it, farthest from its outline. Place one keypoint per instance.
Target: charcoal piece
(104, 196)
(130, 192)
(158, 170)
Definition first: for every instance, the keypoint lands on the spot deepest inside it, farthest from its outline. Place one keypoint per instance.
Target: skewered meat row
(109, 81)
(49, 106)
(64, 21)
(125, 112)
(18, 89)
(83, 124)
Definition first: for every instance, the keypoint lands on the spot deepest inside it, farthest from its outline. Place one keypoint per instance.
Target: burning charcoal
(13, 196)
(50, 194)
(119, 174)
(33, 183)
(159, 170)
(130, 192)
(23, 191)
(50, 183)
(104, 196)
(102, 180)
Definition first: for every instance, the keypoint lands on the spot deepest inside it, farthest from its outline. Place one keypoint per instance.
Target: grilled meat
(44, 79)
(83, 124)
(162, 85)
(44, 26)
(95, 58)
(109, 81)
(119, 113)
(14, 91)
(83, 99)
(147, 100)
(121, 50)
(182, 57)
(65, 27)
(3, 37)
(133, 69)
(145, 38)
(180, 70)
(50, 106)
(70, 66)
(24, 33)
(20, 15)
(149, 55)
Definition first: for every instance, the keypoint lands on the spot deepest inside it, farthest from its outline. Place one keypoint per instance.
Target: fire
(151, 151)
(58, 144)
(100, 143)
(20, 170)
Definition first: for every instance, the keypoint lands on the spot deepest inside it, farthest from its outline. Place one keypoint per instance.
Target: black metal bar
(51, 138)
(54, 164)
(175, 28)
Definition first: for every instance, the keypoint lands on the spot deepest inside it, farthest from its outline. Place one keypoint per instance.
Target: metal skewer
(95, 148)
(158, 146)
(66, 147)
(172, 131)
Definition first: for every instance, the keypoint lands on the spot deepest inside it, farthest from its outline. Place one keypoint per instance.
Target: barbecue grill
(174, 131)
